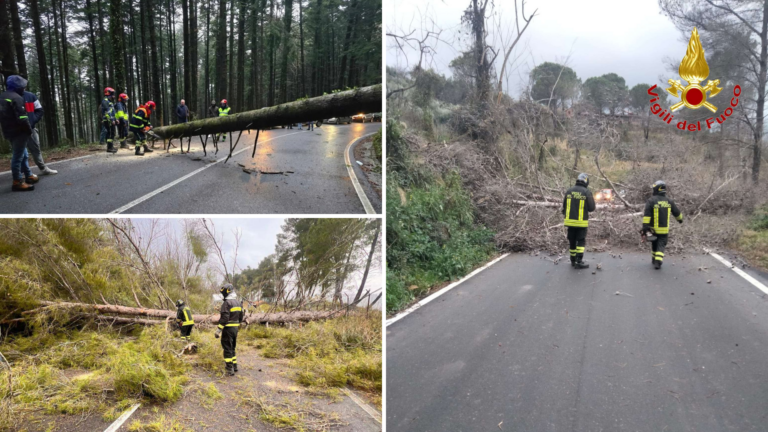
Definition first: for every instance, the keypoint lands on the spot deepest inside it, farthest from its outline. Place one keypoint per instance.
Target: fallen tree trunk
(341, 104)
(608, 207)
(263, 318)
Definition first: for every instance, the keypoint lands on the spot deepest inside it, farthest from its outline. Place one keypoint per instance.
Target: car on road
(339, 120)
(363, 118)
(377, 117)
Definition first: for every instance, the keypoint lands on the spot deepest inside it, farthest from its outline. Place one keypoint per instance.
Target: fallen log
(341, 104)
(609, 207)
(263, 318)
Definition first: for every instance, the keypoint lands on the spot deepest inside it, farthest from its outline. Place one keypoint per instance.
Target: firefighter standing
(229, 323)
(577, 204)
(108, 120)
(140, 124)
(659, 211)
(121, 113)
(184, 319)
(223, 112)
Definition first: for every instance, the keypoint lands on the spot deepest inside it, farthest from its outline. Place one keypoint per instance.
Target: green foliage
(753, 241)
(377, 145)
(606, 92)
(553, 80)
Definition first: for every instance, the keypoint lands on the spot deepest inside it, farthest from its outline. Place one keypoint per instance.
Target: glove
(218, 333)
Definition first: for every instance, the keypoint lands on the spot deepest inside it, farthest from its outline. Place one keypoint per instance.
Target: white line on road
(140, 200)
(441, 292)
(119, 422)
(367, 408)
(741, 273)
(359, 189)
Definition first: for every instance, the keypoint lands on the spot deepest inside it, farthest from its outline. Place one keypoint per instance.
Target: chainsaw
(645, 237)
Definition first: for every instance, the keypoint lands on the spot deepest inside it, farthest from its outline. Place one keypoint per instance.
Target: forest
(254, 54)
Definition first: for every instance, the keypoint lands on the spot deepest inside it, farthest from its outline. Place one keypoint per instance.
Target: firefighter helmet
(150, 105)
(227, 289)
(223, 101)
(659, 187)
(123, 97)
(179, 303)
(109, 91)
(583, 179)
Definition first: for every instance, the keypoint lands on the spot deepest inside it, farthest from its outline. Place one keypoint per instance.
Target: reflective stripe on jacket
(224, 111)
(659, 210)
(231, 313)
(185, 316)
(577, 204)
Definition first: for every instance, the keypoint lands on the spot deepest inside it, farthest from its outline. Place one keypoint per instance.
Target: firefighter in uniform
(121, 113)
(229, 323)
(140, 124)
(108, 119)
(223, 112)
(185, 320)
(577, 204)
(659, 211)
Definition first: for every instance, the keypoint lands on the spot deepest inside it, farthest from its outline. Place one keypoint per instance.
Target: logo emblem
(694, 69)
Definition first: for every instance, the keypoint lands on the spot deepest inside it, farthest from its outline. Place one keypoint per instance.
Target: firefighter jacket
(231, 313)
(577, 204)
(121, 111)
(13, 115)
(659, 211)
(184, 316)
(33, 107)
(224, 111)
(140, 119)
(107, 110)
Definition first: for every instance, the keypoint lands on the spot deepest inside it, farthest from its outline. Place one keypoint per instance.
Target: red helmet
(223, 101)
(150, 105)
(123, 96)
(109, 91)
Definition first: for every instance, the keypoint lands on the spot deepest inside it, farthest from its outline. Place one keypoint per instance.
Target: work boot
(21, 186)
(580, 265)
(123, 145)
(235, 366)
(147, 149)
(48, 171)
(573, 261)
(32, 179)
(111, 148)
(653, 260)
(657, 265)
(138, 151)
(230, 370)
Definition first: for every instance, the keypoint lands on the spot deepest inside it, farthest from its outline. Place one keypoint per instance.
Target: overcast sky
(601, 36)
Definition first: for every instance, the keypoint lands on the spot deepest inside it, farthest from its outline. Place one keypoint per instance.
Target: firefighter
(140, 124)
(108, 120)
(577, 204)
(223, 112)
(184, 320)
(658, 211)
(229, 323)
(121, 114)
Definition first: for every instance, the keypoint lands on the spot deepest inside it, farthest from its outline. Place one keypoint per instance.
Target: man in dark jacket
(34, 115)
(656, 218)
(213, 110)
(108, 119)
(184, 320)
(577, 204)
(140, 124)
(17, 130)
(182, 112)
(229, 323)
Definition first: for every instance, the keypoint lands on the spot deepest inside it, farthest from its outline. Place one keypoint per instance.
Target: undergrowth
(753, 241)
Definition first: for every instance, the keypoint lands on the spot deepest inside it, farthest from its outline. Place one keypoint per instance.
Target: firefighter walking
(577, 204)
(658, 213)
(121, 114)
(108, 119)
(229, 323)
(140, 124)
(223, 112)
(184, 320)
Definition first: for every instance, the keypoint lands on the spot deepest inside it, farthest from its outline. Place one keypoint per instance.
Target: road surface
(123, 183)
(527, 345)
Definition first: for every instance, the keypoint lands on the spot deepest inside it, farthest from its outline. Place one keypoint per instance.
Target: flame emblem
(694, 69)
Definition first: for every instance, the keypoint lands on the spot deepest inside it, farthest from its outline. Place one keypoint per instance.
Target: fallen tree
(341, 104)
(252, 318)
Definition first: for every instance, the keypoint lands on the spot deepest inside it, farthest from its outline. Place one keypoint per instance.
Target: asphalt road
(527, 345)
(122, 182)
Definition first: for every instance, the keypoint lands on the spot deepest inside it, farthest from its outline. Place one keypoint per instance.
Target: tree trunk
(94, 55)
(118, 45)
(231, 82)
(156, 94)
(271, 83)
(761, 79)
(346, 103)
(173, 54)
(368, 263)
(7, 56)
(45, 87)
(187, 55)
(351, 16)
(63, 74)
(207, 58)
(221, 52)
(240, 92)
(21, 59)
(301, 50)
(287, 20)
(317, 51)
(193, 99)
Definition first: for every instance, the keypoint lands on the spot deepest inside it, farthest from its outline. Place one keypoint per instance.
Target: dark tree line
(253, 53)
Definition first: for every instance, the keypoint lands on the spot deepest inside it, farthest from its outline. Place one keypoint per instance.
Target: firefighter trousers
(658, 246)
(110, 128)
(229, 344)
(186, 331)
(577, 239)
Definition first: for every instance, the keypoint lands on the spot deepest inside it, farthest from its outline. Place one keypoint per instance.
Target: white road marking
(441, 292)
(119, 422)
(359, 189)
(741, 272)
(33, 166)
(140, 200)
(367, 408)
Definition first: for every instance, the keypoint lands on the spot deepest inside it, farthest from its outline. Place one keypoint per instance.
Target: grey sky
(630, 38)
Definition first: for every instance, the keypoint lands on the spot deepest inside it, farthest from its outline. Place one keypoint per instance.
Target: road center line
(140, 200)
(358, 188)
(122, 419)
(741, 273)
(441, 292)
